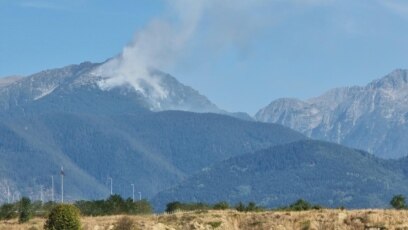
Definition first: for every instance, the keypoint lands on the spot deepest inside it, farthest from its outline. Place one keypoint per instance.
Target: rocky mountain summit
(15, 92)
(373, 117)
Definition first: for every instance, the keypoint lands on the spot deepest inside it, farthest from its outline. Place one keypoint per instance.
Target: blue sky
(241, 55)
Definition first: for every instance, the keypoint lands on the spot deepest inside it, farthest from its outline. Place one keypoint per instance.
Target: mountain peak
(397, 79)
(153, 90)
(373, 117)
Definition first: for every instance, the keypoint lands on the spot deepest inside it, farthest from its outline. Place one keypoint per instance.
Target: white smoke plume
(166, 39)
(156, 47)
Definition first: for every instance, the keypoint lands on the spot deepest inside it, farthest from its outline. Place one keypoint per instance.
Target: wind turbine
(133, 192)
(52, 188)
(111, 182)
(62, 184)
(41, 194)
(8, 194)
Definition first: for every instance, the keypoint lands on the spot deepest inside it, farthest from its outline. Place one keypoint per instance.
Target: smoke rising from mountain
(168, 38)
(157, 46)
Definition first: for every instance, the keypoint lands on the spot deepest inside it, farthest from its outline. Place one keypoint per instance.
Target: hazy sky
(240, 54)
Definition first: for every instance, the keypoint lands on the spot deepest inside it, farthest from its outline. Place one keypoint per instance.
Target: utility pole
(41, 194)
(140, 195)
(52, 189)
(133, 193)
(62, 184)
(111, 182)
(8, 194)
(15, 196)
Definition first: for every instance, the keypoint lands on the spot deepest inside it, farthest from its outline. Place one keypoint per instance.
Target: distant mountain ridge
(62, 117)
(320, 172)
(373, 118)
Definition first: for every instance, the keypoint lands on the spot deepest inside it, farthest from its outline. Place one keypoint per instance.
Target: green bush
(25, 210)
(251, 207)
(221, 206)
(63, 216)
(215, 224)
(8, 211)
(114, 205)
(174, 206)
(300, 205)
(124, 223)
(398, 202)
(240, 207)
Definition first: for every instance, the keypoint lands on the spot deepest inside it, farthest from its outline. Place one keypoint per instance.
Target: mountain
(373, 118)
(5, 81)
(16, 92)
(320, 172)
(63, 117)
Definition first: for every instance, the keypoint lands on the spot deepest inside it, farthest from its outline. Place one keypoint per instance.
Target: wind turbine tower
(62, 184)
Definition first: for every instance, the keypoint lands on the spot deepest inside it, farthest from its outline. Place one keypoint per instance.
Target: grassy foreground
(231, 219)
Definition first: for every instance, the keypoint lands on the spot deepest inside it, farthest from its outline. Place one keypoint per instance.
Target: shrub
(240, 207)
(215, 224)
(300, 205)
(398, 202)
(25, 210)
(173, 206)
(8, 211)
(124, 223)
(251, 207)
(221, 206)
(63, 216)
(114, 205)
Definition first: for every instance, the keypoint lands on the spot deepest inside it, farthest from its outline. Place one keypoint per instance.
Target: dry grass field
(316, 219)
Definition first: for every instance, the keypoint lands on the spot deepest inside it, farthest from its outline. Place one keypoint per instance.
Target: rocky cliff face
(373, 118)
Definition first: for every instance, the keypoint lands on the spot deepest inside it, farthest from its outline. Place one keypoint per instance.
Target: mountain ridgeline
(61, 117)
(373, 118)
(324, 173)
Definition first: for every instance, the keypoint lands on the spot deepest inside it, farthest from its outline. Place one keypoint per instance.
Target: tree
(8, 211)
(63, 216)
(24, 210)
(240, 207)
(140, 207)
(173, 206)
(221, 206)
(398, 202)
(115, 204)
(251, 207)
(300, 205)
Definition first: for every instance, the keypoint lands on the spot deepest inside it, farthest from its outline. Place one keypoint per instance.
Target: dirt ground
(316, 219)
